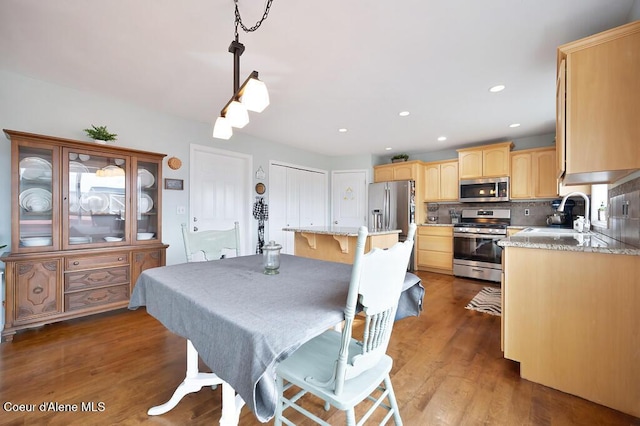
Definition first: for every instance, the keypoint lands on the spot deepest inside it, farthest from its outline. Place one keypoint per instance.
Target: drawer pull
(120, 259)
(38, 290)
(99, 279)
(76, 263)
(96, 299)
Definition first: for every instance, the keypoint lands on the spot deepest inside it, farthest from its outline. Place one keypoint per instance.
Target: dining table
(242, 322)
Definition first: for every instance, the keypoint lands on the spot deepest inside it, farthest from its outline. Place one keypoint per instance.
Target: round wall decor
(174, 163)
(260, 188)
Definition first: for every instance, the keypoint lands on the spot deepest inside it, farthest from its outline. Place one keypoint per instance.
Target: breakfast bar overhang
(337, 243)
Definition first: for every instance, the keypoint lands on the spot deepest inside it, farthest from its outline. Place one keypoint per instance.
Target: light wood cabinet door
(449, 186)
(602, 104)
(545, 184)
(382, 174)
(404, 171)
(495, 161)
(521, 175)
(470, 164)
(561, 93)
(432, 182)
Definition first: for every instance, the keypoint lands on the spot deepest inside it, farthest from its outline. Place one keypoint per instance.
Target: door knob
(195, 219)
(335, 222)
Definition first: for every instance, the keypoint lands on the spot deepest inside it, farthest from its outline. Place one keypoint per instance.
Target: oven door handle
(484, 236)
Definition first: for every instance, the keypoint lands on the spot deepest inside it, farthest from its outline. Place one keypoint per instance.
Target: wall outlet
(181, 210)
(526, 212)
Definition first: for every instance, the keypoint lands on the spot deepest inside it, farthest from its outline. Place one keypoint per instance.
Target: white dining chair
(210, 244)
(344, 371)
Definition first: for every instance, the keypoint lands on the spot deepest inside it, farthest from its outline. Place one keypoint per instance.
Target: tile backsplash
(538, 210)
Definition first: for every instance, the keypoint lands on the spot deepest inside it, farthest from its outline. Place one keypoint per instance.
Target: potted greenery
(100, 134)
(399, 157)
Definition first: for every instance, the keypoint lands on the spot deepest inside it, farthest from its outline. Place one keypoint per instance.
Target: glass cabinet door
(96, 202)
(36, 198)
(147, 201)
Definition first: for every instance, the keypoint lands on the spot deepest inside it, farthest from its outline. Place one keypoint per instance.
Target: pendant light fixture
(252, 95)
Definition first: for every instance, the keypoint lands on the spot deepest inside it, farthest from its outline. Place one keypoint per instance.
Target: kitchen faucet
(587, 212)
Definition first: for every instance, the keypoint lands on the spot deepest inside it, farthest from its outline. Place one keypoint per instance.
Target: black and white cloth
(260, 213)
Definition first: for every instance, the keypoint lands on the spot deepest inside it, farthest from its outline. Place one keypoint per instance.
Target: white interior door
(349, 197)
(220, 192)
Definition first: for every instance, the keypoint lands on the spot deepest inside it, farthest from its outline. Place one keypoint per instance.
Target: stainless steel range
(476, 253)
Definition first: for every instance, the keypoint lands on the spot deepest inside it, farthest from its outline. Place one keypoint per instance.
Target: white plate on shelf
(35, 168)
(94, 202)
(112, 239)
(79, 240)
(76, 167)
(116, 203)
(145, 235)
(145, 203)
(146, 179)
(35, 241)
(35, 200)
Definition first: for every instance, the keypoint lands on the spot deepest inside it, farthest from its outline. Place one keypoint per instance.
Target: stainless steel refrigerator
(392, 206)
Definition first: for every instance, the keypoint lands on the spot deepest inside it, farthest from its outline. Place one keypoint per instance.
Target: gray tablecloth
(243, 322)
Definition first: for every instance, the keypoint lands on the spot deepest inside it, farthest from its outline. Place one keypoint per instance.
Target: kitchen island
(337, 243)
(570, 314)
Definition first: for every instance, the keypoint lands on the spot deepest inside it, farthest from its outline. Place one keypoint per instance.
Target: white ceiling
(328, 64)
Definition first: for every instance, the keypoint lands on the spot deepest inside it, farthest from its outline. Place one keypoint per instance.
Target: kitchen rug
(488, 300)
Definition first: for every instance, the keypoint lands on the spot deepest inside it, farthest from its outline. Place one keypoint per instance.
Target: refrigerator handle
(387, 212)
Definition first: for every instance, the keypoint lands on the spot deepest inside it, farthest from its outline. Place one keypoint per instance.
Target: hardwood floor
(448, 370)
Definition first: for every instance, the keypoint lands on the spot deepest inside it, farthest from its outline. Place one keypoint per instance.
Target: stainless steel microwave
(484, 190)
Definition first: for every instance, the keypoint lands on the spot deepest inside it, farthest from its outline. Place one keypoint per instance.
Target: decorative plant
(100, 133)
(404, 157)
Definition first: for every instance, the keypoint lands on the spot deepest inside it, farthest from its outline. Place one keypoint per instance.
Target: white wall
(35, 106)
(634, 15)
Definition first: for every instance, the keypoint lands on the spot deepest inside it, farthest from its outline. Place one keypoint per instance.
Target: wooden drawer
(441, 231)
(96, 297)
(99, 261)
(442, 244)
(83, 280)
(434, 259)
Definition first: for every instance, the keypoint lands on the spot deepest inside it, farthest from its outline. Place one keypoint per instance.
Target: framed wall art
(177, 184)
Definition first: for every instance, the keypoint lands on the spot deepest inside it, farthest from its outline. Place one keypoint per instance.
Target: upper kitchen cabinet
(404, 170)
(597, 129)
(85, 221)
(441, 181)
(485, 161)
(533, 173)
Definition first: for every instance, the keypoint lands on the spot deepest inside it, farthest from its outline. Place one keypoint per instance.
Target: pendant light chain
(257, 25)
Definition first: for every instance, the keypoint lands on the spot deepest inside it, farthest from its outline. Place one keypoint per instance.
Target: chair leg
(280, 387)
(392, 401)
(351, 417)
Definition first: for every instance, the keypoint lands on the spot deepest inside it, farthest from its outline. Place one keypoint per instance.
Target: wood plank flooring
(448, 370)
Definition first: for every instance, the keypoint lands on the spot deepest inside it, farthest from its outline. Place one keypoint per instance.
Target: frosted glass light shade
(222, 129)
(237, 115)
(255, 96)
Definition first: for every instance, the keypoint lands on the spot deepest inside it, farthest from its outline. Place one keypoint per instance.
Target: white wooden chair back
(376, 284)
(211, 243)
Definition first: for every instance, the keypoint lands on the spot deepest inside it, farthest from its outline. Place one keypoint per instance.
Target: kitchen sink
(552, 232)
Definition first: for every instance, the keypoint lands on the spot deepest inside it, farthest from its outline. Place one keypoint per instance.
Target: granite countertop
(594, 242)
(349, 231)
(435, 224)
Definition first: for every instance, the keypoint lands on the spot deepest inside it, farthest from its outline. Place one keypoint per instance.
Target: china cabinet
(86, 221)
(597, 106)
(485, 161)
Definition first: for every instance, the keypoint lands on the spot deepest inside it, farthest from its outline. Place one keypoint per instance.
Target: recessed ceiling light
(442, 138)
(496, 89)
(404, 113)
(342, 130)
(388, 148)
(514, 125)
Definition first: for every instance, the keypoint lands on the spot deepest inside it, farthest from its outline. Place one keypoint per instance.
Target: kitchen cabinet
(441, 181)
(404, 170)
(485, 161)
(570, 320)
(435, 249)
(79, 212)
(597, 129)
(533, 174)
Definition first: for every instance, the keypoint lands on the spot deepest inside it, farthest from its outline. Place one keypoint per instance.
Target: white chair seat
(317, 358)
